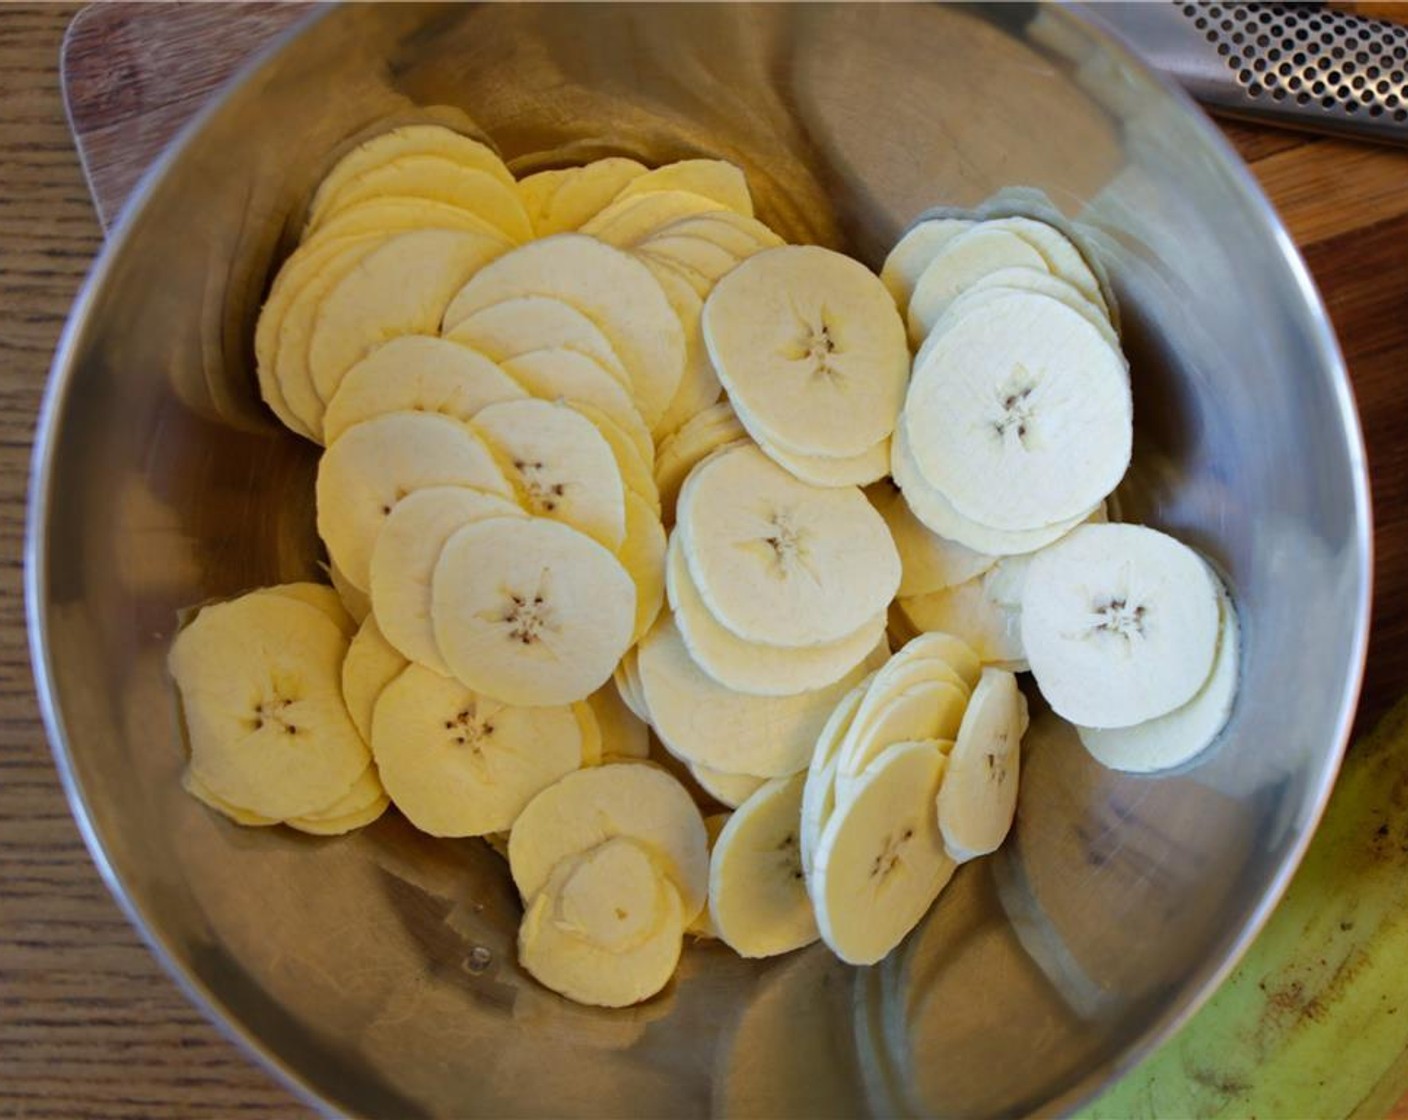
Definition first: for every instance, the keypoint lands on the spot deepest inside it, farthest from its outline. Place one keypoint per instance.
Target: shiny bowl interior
(376, 973)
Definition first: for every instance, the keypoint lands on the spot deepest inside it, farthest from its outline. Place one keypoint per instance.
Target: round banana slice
(400, 287)
(295, 330)
(585, 191)
(703, 925)
(725, 788)
(748, 667)
(357, 808)
(404, 558)
(928, 562)
(193, 785)
(978, 797)
(626, 678)
(392, 213)
(630, 799)
(643, 557)
(936, 512)
(947, 650)
(355, 601)
(624, 737)
(1171, 740)
(819, 791)
(1120, 624)
(715, 179)
(613, 289)
(857, 470)
(319, 595)
(417, 373)
(1059, 253)
(715, 427)
(699, 385)
(914, 252)
(1021, 416)
(1031, 280)
(530, 611)
(662, 265)
(558, 373)
(527, 324)
(593, 750)
(606, 930)
(811, 350)
(709, 725)
(757, 892)
(438, 179)
(632, 218)
(927, 712)
(560, 465)
(259, 680)
(371, 664)
(740, 235)
(705, 259)
(959, 264)
(304, 266)
(458, 763)
(880, 862)
(985, 612)
(631, 444)
(376, 463)
(408, 140)
(780, 562)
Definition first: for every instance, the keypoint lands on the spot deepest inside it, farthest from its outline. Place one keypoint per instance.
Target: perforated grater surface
(1300, 65)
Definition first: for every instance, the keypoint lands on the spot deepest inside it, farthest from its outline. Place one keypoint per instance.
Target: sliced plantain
(1171, 740)
(747, 666)
(986, 612)
(856, 470)
(706, 260)
(931, 711)
(401, 287)
(716, 427)
(978, 797)
(624, 737)
(417, 373)
(740, 235)
(1030, 280)
(531, 611)
(408, 140)
(525, 324)
(370, 665)
(928, 562)
(631, 218)
(391, 213)
(458, 763)
(559, 373)
(613, 289)
(1120, 624)
(960, 263)
(699, 386)
(585, 191)
(781, 562)
(259, 679)
(376, 463)
(811, 350)
(715, 179)
(631, 444)
(605, 930)
(438, 179)
(1024, 412)
(362, 804)
(643, 556)
(880, 861)
(629, 799)
(626, 678)
(725, 788)
(355, 601)
(404, 558)
(913, 253)
(193, 785)
(593, 748)
(560, 465)
(319, 595)
(703, 925)
(1059, 254)
(758, 900)
(819, 791)
(709, 725)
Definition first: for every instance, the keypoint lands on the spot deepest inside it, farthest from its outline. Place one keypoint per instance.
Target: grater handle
(1296, 65)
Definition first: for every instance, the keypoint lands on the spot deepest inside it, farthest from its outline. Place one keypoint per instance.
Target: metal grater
(1300, 65)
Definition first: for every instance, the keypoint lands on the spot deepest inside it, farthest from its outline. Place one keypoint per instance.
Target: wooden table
(89, 1026)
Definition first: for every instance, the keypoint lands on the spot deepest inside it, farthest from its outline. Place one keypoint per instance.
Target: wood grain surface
(89, 1025)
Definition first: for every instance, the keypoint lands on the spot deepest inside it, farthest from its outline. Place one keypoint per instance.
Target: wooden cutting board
(135, 73)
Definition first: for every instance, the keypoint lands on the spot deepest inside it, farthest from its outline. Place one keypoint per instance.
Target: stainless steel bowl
(376, 974)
